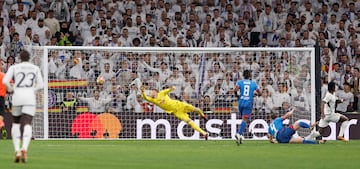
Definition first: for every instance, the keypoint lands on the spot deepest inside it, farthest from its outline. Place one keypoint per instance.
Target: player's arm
(322, 108)
(288, 114)
(237, 88)
(144, 96)
(324, 102)
(168, 90)
(257, 92)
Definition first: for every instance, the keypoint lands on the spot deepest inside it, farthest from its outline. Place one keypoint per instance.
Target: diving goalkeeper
(175, 107)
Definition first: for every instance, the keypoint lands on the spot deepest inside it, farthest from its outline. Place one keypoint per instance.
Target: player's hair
(274, 116)
(247, 74)
(331, 86)
(24, 56)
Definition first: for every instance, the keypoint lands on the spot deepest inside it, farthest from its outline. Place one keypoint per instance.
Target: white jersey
(27, 79)
(330, 100)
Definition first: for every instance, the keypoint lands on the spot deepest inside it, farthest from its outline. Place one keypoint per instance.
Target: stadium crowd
(284, 77)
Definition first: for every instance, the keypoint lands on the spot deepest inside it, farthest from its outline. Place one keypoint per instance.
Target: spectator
(300, 100)
(134, 99)
(280, 96)
(163, 70)
(96, 104)
(264, 103)
(228, 83)
(207, 105)
(268, 20)
(107, 73)
(356, 88)
(52, 23)
(89, 40)
(347, 99)
(117, 99)
(43, 32)
(176, 79)
(69, 103)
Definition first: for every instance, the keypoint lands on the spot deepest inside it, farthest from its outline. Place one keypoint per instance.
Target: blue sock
(309, 142)
(304, 125)
(242, 127)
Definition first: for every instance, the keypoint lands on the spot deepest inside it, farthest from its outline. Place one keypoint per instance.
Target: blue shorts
(285, 134)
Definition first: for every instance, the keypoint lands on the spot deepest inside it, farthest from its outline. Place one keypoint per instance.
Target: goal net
(75, 106)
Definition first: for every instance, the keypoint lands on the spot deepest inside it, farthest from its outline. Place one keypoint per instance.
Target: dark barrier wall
(163, 126)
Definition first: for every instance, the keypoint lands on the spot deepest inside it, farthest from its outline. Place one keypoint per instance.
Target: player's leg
(26, 121)
(300, 124)
(185, 117)
(245, 113)
(2, 112)
(15, 131)
(191, 108)
(344, 123)
(300, 140)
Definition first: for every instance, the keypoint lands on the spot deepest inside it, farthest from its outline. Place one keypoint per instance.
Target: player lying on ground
(175, 107)
(279, 134)
(328, 114)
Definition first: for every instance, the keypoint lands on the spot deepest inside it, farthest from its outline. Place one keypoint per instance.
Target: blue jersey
(275, 126)
(247, 88)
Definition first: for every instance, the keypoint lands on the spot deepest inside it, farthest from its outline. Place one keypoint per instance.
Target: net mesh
(81, 107)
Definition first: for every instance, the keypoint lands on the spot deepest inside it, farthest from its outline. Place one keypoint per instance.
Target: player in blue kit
(277, 133)
(247, 88)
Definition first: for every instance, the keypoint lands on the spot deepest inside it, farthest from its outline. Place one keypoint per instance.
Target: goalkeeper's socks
(304, 125)
(309, 141)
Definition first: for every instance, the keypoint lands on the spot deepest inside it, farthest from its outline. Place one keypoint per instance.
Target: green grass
(160, 154)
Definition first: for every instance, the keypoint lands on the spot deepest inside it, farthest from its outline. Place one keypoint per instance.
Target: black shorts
(2, 106)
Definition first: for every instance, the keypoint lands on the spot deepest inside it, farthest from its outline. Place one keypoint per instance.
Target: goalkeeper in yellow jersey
(175, 107)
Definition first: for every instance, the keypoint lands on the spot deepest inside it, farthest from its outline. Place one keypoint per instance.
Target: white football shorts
(19, 110)
(333, 117)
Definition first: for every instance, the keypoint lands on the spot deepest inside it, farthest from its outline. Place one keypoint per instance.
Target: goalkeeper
(178, 108)
(279, 134)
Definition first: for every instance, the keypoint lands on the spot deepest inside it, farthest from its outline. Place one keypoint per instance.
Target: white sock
(15, 132)
(26, 137)
(343, 126)
(313, 135)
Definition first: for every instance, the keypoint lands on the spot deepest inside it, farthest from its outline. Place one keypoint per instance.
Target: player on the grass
(2, 103)
(328, 114)
(247, 89)
(278, 133)
(175, 107)
(27, 79)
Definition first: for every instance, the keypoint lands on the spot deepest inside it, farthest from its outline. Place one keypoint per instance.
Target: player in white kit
(328, 114)
(23, 80)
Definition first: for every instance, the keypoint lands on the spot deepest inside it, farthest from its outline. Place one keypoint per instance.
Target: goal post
(126, 116)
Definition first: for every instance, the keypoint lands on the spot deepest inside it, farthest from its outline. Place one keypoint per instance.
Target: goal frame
(47, 49)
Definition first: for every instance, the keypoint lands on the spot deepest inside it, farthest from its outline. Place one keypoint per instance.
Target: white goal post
(140, 120)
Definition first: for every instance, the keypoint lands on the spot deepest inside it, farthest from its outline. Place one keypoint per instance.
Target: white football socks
(26, 137)
(313, 135)
(343, 126)
(15, 132)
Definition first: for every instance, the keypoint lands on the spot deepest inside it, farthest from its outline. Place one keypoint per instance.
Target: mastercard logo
(88, 125)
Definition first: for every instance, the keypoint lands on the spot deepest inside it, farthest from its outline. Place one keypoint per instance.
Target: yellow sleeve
(149, 99)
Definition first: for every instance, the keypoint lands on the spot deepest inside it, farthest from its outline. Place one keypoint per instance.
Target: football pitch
(176, 154)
